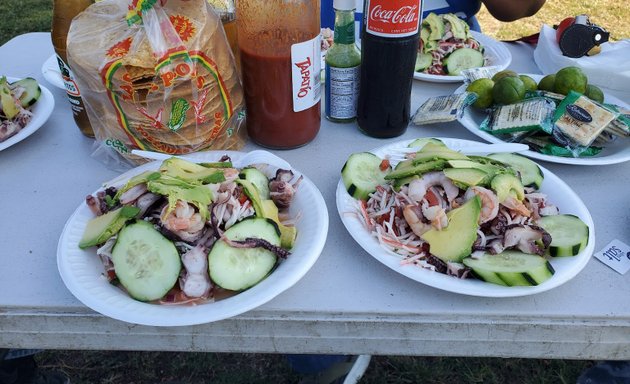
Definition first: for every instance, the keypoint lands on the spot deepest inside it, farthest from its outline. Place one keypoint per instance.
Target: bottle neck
(344, 27)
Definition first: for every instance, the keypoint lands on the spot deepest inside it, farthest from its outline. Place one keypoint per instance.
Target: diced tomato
(431, 198)
(242, 198)
(384, 165)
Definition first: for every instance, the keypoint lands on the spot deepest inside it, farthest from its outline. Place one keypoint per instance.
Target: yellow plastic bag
(156, 75)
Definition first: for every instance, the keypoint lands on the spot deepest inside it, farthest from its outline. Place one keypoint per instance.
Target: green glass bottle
(343, 61)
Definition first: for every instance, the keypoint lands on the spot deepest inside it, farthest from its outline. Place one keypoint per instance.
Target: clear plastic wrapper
(545, 145)
(472, 74)
(578, 121)
(157, 76)
(530, 115)
(443, 109)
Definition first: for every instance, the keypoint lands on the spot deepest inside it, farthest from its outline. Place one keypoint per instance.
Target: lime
(547, 83)
(594, 93)
(570, 79)
(483, 89)
(508, 90)
(530, 84)
(504, 73)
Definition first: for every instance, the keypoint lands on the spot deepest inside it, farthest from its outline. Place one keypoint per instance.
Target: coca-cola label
(392, 18)
(306, 67)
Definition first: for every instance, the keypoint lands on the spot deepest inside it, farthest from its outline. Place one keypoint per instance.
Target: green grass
(613, 15)
(96, 367)
(229, 368)
(21, 16)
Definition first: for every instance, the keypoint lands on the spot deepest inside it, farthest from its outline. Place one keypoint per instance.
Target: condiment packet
(581, 120)
(443, 109)
(527, 115)
(616, 255)
(473, 74)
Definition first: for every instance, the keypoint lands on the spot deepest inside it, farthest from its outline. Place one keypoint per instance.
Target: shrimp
(183, 221)
(413, 216)
(489, 202)
(437, 216)
(513, 204)
(418, 188)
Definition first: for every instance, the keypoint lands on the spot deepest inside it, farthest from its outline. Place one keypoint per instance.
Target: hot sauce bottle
(343, 61)
(280, 48)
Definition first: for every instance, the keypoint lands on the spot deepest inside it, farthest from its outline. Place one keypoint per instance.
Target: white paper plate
(613, 153)
(559, 194)
(81, 270)
(51, 72)
(496, 54)
(41, 112)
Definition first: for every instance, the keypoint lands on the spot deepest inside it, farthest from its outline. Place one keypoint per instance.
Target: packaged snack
(525, 116)
(546, 146)
(581, 120)
(443, 109)
(621, 125)
(157, 76)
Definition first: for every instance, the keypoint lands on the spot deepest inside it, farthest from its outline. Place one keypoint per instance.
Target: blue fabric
(465, 9)
(312, 364)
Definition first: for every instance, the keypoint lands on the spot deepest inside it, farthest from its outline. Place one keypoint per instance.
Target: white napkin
(609, 69)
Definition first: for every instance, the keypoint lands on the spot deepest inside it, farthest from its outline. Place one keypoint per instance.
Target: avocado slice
(422, 142)
(9, 108)
(419, 169)
(424, 36)
(455, 242)
(467, 177)
(490, 169)
(191, 172)
(102, 227)
(268, 209)
(506, 185)
(436, 26)
(422, 157)
(288, 234)
(458, 26)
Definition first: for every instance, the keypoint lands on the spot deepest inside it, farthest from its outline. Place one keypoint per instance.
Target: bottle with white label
(280, 48)
(343, 62)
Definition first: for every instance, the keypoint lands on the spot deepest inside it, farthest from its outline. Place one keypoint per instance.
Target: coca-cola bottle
(389, 45)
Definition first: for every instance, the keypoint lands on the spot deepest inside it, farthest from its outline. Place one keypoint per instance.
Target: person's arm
(512, 10)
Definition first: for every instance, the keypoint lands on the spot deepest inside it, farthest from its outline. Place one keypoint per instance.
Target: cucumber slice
(147, 264)
(531, 175)
(237, 269)
(259, 179)
(569, 234)
(511, 267)
(31, 93)
(423, 61)
(461, 59)
(362, 173)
